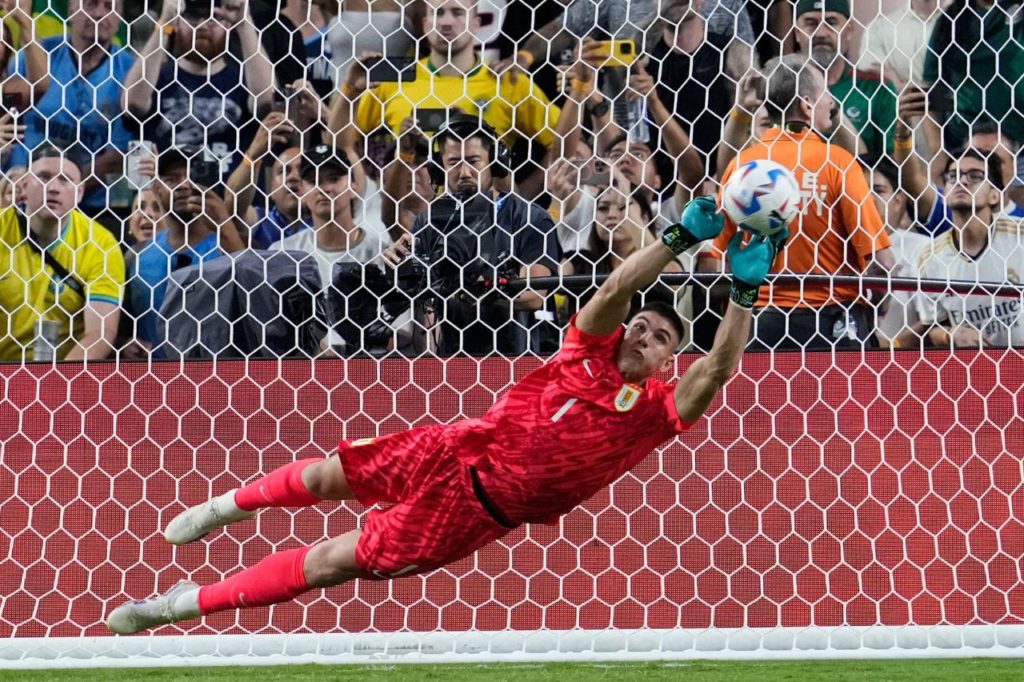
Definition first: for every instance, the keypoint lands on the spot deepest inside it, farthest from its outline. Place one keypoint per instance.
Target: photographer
(470, 242)
(199, 227)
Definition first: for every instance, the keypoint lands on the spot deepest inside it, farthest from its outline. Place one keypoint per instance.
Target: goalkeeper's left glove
(751, 263)
(700, 221)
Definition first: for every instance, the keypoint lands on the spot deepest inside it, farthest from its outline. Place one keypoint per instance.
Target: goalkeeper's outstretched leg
(437, 518)
(280, 576)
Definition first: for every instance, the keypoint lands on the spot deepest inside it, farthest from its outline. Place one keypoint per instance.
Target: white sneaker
(180, 603)
(196, 522)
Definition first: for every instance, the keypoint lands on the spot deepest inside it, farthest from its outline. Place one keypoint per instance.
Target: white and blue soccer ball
(762, 197)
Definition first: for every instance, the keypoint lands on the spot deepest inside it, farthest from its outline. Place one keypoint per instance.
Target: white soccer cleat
(194, 523)
(180, 603)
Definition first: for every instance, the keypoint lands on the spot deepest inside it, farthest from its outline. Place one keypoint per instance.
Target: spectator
(672, 32)
(935, 216)
(20, 91)
(574, 180)
(639, 161)
(277, 140)
(907, 245)
(723, 19)
(894, 44)
(451, 79)
(975, 69)
(686, 48)
(146, 217)
(382, 26)
(982, 247)
(407, 188)
(622, 225)
(192, 90)
(333, 205)
(988, 138)
(144, 223)
(281, 41)
(81, 111)
(748, 122)
(838, 231)
(500, 237)
(199, 227)
(311, 24)
(61, 274)
(824, 34)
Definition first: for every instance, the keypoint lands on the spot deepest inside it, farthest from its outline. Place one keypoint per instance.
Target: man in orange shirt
(838, 231)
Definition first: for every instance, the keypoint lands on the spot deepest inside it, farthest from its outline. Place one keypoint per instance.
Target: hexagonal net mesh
(236, 232)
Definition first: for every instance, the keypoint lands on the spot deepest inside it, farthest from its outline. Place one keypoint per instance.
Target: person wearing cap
(824, 33)
(837, 232)
(199, 227)
(333, 207)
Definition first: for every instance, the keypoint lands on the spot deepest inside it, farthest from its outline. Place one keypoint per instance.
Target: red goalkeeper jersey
(566, 430)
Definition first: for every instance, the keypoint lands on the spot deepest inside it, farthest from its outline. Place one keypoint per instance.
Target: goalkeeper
(557, 437)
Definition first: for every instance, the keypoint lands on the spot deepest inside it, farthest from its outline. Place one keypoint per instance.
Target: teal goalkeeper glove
(700, 221)
(751, 264)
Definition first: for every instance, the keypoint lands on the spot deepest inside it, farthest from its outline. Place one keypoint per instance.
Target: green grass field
(932, 670)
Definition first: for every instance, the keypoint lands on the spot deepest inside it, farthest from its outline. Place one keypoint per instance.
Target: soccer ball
(761, 197)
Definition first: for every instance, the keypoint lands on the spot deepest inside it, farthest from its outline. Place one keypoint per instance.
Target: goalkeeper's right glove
(751, 263)
(700, 221)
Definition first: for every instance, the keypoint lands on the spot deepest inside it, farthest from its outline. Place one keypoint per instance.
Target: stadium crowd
(315, 178)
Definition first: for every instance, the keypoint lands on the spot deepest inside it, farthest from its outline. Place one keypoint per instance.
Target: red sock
(282, 487)
(277, 578)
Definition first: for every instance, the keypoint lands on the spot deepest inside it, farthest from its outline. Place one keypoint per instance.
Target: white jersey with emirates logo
(1002, 262)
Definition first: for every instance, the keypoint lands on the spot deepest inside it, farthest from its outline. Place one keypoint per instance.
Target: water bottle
(137, 150)
(44, 346)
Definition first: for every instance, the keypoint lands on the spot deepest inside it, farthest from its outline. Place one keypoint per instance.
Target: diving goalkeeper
(557, 437)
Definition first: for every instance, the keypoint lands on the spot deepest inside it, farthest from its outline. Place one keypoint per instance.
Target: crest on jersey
(627, 397)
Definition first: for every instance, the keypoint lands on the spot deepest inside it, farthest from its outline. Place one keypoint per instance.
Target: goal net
(194, 291)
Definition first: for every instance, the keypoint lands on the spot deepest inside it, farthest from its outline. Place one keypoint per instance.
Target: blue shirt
(147, 283)
(273, 227)
(81, 115)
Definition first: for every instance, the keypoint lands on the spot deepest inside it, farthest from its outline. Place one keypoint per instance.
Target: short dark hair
(462, 128)
(669, 313)
(48, 151)
(884, 166)
(989, 126)
(993, 167)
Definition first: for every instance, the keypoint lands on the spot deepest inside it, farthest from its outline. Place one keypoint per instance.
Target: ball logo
(761, 196)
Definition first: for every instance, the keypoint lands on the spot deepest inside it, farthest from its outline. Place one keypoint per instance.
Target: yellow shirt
(512, 110)
(30, 290)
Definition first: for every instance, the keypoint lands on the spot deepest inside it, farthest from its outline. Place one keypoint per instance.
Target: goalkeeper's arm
(607, 310)
(702, 381)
